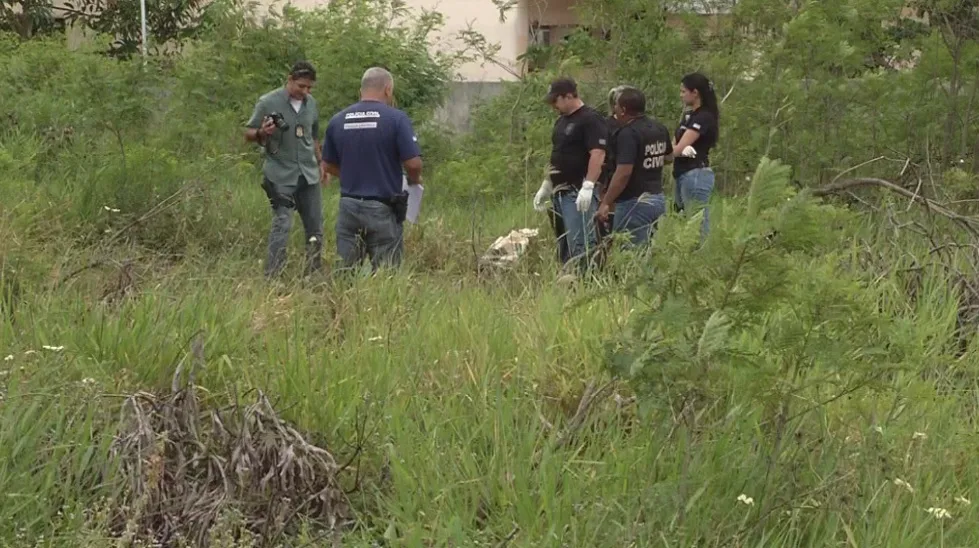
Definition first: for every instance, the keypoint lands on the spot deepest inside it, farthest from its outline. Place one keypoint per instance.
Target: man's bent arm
(253, 135)
(332, 169)
(596, 157)
(413, 170)
(619, 181)
(253, 131)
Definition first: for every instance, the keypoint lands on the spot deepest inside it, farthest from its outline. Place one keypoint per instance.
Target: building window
(540, 35)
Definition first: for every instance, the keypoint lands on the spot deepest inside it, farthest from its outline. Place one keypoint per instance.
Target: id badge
(299, 131)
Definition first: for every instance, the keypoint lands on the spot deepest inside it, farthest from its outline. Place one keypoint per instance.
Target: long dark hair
(708, 99)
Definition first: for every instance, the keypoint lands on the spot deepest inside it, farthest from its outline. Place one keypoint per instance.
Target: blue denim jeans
(368, 227)
(579, 237)
(693, 189)
(638, 216)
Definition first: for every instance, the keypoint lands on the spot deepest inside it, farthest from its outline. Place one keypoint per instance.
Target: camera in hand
(279, 121)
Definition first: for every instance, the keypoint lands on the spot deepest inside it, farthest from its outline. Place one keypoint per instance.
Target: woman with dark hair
(696, 135)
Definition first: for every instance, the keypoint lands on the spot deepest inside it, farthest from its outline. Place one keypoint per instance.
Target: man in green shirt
(286, 123)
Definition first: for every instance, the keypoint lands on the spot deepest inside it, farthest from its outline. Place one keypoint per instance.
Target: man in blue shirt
(371, 146)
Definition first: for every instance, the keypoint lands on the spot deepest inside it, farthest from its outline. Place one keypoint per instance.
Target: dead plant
(185, 466)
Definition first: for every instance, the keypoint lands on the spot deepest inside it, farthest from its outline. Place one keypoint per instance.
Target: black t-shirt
(575, 135)
(608, 168)
(643, 143)
(705, 123)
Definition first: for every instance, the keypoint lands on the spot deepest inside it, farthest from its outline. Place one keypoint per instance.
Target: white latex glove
(584, 196)
(545, 192)
(689, 152)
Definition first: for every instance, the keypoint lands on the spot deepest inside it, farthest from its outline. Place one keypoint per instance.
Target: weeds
(187, 468)
(806, 377)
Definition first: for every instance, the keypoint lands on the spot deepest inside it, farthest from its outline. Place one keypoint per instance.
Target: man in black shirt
(578, 151)
(603, 229)
(641, 146)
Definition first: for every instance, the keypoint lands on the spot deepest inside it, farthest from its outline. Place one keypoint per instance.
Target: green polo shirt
(292, 152)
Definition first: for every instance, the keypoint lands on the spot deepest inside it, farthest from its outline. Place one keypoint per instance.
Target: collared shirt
(289, 153)
(574, 137)
(644, 144)
(370, 140)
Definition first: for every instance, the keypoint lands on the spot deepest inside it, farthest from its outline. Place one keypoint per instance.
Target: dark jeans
(368, 227)
(638, 216)
(308, 200)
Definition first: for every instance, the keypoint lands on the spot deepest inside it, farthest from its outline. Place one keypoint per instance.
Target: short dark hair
(303, 69)
(632, 101)
(560, 87)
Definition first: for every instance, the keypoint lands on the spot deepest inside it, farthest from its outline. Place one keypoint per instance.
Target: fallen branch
(588, 399)
(969, 223)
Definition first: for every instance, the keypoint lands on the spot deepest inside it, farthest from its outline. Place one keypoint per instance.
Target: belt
(366, 198)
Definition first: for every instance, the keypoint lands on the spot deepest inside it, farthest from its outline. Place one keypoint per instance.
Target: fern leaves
(768, 186)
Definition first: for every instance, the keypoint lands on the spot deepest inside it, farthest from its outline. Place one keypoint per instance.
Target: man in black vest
(642, 147)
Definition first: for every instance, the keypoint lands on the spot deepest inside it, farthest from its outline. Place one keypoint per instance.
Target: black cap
(559, 87)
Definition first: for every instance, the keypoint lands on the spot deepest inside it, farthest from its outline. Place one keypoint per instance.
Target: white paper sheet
(414, 199)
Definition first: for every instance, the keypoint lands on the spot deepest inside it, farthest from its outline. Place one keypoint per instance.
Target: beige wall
(483, 17)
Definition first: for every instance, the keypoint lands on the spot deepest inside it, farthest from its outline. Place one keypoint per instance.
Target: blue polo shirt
(369, 141)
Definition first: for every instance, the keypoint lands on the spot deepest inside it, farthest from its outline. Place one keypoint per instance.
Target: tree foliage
(28, 18)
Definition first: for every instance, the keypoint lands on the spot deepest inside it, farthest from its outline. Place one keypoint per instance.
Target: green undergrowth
(766, 363)
(805, 376)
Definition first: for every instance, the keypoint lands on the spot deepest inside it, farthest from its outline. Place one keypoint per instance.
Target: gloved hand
(584, 196)
(689, 152)
(545, 192)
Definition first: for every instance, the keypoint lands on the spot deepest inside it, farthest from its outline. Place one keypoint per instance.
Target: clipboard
(415, 193)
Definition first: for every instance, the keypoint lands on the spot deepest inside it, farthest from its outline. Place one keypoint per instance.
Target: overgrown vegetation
(805, 377)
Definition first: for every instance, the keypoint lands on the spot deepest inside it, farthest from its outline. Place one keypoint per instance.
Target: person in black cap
(642, 147)
(577, 154)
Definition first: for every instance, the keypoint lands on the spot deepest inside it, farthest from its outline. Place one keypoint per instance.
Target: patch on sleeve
(601, 141)
(696, 126)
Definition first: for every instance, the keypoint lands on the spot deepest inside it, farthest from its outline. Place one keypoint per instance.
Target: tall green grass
(453, 388)
(130, 226)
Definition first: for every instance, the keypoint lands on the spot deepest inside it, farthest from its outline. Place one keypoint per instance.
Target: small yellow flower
(919, 436)
(963, 501)
(939, 513)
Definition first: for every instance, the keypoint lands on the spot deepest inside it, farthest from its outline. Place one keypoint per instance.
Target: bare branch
(969, 223)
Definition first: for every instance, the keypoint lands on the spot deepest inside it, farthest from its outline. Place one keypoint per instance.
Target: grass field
(807, 377)
(457, 389)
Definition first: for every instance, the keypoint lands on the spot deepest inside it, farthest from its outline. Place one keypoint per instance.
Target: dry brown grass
(187, 466)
